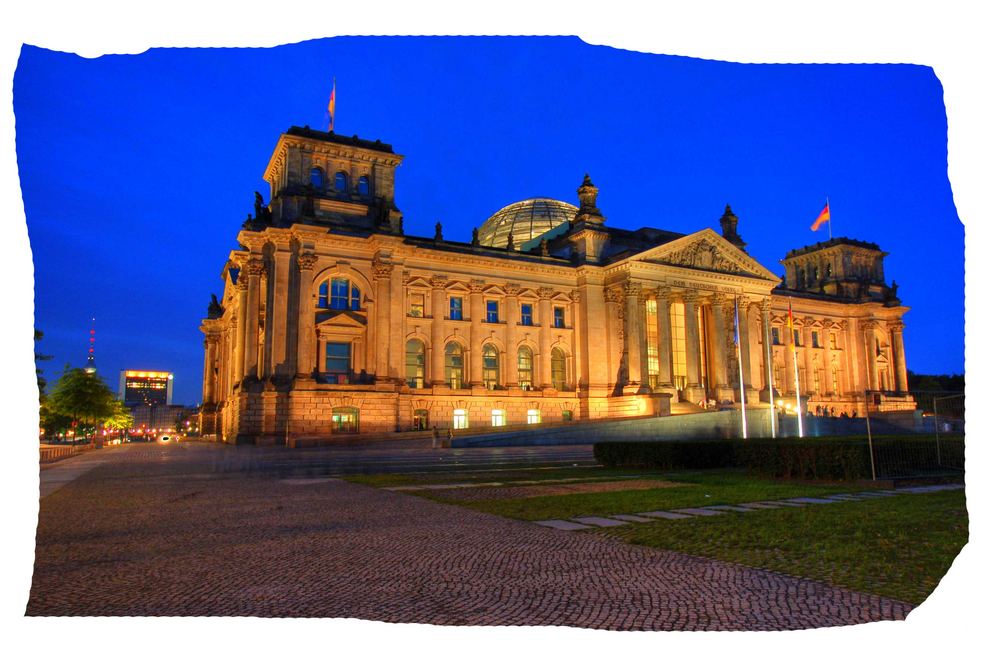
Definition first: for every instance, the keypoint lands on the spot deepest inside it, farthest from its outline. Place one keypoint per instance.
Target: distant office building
(145, 387)
(158, 418)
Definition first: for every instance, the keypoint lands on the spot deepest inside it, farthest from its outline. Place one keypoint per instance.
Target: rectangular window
(652, 344)
(815, 338)
(417, 305)
(798, 342)
(338, 361)
(534, 416)
(678, 344)
(460, 419)
(833, 340)
(558, 317)
(526, 318)
(775, 336)
(492, 311)
(567, 416)
(815, 380)
(497, 418)
(455, 309)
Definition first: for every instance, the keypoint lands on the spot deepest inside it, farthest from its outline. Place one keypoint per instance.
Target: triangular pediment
(706, 250)
(341, 319)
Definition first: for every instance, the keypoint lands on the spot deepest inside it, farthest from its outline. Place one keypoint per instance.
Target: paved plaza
(207, 530)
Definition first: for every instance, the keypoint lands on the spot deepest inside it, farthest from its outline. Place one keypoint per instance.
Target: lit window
(316, 177)
(345, 420)
(497, 418)
(340, 182)
(534, 416)
(339, 293)
(558, 369)
(338, 361)
(815, 339)
(491, 367)
(453, 365)
(415, 357)
(526, 314)
(417, 305)
(492, 311)
(460, 419)
(363, 185)
(559, 317)
(833, 340)
(524, 368)
(455, 309)
(421, 419)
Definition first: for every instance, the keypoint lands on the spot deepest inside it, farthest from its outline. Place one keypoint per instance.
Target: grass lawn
(705, 489)
(898, 547)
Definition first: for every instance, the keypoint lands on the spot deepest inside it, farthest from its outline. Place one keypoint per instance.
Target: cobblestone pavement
(164, 532)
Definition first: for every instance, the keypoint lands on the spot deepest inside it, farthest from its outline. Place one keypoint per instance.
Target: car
(164, 438)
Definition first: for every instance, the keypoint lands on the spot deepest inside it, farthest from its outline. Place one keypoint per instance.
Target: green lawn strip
(709, 489)
(899, 547)
(500, 476)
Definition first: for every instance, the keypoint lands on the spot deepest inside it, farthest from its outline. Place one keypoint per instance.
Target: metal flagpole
(795, 363)
(739, 357)
(770, 375)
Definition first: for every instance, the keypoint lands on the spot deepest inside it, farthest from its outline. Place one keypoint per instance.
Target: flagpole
(829, 222)
(795, 364)
(739, 356)
(770, 375)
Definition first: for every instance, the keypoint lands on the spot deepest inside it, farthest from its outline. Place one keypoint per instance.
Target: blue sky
(137, 171)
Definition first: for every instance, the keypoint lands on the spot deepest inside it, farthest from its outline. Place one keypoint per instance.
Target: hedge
(819, 458)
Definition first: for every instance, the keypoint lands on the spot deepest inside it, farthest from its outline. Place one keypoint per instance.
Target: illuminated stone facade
(333, 321)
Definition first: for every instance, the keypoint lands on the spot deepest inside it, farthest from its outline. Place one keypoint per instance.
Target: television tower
(91, 366)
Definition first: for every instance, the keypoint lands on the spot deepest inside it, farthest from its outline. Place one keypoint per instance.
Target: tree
(83, 397)
(120, 418)
(39, 357)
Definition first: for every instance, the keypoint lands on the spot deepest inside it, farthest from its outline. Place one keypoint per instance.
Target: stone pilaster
(827, 357)
(511, 292)
(382, 272)
(305, 365)
(545, 335)
(719, 345)
(241, 326)
(477, 312)
(743, 321)
(898, 356)
(871, 364)
(254, 269)
(664, 341)
(695, 390)
(438, 307)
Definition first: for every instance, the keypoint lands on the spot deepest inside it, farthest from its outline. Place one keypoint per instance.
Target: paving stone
(147, 534)
(598, 521)
(701, 512)
(843, 497)
(632, 518)
(562, 525)
(735, 509)
(783, 504)
(663, 515)
(758, 504)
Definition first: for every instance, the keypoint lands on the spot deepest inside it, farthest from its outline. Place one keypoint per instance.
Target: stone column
(545, 336)
(827, 358)
(868, 327)
(438, 307)
(790, 359)
(664, 348)
(692, 345)
(765, 344)
(635, 337)
(234, 357)
(719, 341)
(278, 319)
(207, 383)
(510, 334)
(398, 305)
(305, 365)
(254, 269)
(898, 356)
(381, 272)
(810, 386)
(743, 321)
(477, 312)
(241, 325)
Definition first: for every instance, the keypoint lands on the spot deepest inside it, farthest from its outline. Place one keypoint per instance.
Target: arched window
(345, 420)
(340, 181)
(415, 363)
(491, 367)
(316, 178)
(453, 365)
(558, 369)
(363, 185)
(339, 293)
(524, 368)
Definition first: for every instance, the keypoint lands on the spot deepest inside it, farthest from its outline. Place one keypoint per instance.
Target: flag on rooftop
(822, 219)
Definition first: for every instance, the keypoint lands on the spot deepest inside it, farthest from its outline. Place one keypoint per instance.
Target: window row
(456, 311)
(341, 181)
(454, 366)
(814, 337)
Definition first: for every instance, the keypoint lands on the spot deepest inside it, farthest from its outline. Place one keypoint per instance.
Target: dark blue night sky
(138, 170)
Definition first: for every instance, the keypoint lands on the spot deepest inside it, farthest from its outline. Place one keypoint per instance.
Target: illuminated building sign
(137, 387)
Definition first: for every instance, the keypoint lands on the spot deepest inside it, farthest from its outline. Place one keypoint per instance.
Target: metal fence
(937, 446)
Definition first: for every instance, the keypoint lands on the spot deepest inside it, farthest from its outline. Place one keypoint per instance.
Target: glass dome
(526, 219)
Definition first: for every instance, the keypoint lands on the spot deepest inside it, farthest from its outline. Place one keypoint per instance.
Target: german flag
(823, 218)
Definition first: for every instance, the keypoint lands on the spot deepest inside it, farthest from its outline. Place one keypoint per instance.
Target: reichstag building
(334, 321)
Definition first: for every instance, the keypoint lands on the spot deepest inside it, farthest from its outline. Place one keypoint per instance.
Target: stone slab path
(173, 536)
(579, 523)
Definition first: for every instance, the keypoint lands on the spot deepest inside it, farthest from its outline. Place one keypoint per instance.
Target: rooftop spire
(91, 366)
(588, 202)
